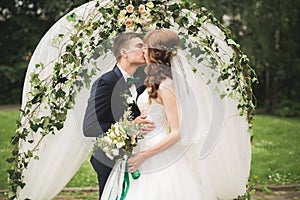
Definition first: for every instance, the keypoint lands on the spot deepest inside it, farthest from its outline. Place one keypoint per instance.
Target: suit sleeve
(103, 104)
(98, 117)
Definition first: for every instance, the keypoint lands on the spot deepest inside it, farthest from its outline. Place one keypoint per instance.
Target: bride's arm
(167, 96)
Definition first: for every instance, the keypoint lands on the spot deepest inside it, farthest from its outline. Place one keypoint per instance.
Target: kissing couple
(161, 98)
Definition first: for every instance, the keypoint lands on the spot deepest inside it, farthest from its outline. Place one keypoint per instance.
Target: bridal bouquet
(120, 139)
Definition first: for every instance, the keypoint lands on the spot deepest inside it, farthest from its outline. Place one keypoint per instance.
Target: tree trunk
(267, 89)
(274, 99)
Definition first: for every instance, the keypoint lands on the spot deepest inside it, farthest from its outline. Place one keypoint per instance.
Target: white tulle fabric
(216, 136)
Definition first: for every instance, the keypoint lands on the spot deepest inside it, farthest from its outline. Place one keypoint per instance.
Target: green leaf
(232, 42)
(34, 79)
(196, 51)
(174, 7)
(194, 69)
(72, 17)
(34, 127)
(184, 21)
(193, 30)
(59, 125)
(10, 160)
(10, 172)
(223, 95)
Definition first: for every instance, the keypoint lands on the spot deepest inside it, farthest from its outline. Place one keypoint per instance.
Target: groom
(107, 104)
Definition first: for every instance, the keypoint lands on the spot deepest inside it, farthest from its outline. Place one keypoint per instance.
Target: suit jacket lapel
(121, 77)
(117, 71)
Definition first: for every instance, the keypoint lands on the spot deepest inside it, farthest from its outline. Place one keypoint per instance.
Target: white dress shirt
(132, 88)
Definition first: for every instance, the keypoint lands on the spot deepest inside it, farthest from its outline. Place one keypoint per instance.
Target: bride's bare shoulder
(166, 88)
(167, 84)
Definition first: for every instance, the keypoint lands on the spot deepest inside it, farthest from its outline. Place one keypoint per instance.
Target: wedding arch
(49, 146)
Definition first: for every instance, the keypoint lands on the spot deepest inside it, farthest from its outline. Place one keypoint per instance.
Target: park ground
(283, 192)
(272, 192)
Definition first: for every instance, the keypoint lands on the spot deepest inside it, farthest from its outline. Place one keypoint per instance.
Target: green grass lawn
(275, 152)
(84, 177)
(7, 128)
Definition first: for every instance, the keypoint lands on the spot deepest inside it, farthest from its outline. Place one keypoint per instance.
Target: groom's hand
(149, 125)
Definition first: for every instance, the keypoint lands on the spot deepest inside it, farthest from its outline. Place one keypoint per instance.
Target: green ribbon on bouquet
(119, 183)
(126, 182)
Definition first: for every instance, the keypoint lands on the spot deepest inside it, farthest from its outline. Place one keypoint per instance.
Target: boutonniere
(128, 98)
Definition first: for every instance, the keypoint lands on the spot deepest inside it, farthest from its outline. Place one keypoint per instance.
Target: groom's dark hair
(122, 41)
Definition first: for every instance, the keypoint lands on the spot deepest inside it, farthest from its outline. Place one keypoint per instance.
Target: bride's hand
(135, 161)
(149, 125)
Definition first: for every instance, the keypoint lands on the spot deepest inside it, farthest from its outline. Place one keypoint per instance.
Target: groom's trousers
(103, 172)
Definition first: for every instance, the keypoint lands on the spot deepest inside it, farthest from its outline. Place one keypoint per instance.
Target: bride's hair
(161, 46)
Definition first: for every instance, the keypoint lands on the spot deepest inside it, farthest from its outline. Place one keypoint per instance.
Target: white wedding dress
(167, 175)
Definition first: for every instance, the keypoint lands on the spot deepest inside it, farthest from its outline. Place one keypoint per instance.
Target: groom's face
(135, 54)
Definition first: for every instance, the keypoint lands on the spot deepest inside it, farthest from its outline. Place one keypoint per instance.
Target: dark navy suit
(106, 105)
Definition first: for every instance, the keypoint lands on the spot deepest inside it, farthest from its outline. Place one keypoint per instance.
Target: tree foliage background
(266, 29)
(22, 25)
(268, 33)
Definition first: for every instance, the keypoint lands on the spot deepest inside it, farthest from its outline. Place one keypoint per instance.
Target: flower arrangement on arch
(136, 17)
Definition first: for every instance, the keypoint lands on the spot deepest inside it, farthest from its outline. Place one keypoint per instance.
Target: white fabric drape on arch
(61, 155)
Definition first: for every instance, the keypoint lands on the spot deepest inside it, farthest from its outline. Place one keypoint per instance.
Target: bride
(168, 157)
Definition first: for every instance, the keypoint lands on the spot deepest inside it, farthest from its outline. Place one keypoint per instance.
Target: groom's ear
(123, 53)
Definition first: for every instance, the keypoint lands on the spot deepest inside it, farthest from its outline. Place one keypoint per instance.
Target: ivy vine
(50, 98)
